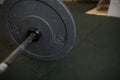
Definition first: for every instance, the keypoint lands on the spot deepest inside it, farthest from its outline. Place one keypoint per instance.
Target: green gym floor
(95, 56)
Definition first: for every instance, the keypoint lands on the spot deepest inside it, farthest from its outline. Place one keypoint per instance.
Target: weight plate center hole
(35, 32)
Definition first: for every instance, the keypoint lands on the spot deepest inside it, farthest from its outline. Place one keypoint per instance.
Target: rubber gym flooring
(95, 56)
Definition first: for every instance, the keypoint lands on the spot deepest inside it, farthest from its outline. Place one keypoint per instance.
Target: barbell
(44, 29)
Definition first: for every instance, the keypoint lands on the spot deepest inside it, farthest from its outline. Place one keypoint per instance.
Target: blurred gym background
(96, 7)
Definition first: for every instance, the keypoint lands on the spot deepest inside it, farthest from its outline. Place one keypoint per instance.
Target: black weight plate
(51, 17)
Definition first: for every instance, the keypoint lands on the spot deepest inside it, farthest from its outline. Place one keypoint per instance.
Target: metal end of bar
(3, 67)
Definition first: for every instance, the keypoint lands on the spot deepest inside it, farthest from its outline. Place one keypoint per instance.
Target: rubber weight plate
(50, 17)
